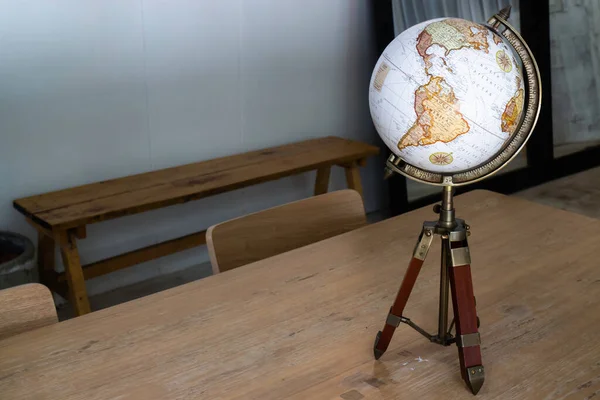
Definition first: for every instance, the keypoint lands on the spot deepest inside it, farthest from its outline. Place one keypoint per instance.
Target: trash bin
(17, 265)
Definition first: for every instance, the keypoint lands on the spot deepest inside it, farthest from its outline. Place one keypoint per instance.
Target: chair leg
(353, 178)
(74, 273)
(322, 180)
(45, 257)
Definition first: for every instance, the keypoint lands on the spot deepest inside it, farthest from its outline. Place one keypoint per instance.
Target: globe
(447, 95)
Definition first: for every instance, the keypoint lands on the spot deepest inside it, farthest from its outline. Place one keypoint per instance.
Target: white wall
(99, 89)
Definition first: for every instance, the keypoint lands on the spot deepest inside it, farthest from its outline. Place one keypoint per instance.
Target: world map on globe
(447, 94)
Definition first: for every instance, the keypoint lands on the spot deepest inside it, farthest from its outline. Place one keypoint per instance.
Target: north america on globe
(447, 94)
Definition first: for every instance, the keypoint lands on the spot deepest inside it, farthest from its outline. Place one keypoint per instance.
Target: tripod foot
(378, 353)
(475, 378)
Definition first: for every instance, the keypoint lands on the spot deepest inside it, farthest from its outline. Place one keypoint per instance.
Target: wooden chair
(270, 232)
(24, 308)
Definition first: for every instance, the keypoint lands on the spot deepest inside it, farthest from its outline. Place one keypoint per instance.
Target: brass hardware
(476, 376)
(452, 230)
(393, 320)
(394, 159)
(458, 235)
(446, 210)
(460, 256)
(468, 340)
(387, 173)
(451, 326)
(504, 13)
(424, 243)
(444, 291)
(376, 352)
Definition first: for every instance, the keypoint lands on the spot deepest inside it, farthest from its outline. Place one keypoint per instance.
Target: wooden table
(61, 217)
(301, 325)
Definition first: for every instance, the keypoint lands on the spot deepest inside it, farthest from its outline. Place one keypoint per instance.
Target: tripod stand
(455, 274)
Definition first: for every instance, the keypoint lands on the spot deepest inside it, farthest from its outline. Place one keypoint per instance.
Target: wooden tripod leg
(465, 316)
(384, 337)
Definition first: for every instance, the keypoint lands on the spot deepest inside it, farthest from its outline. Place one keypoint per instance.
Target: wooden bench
(61, 217)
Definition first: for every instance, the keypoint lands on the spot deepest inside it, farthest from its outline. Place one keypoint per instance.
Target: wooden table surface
(301, 325)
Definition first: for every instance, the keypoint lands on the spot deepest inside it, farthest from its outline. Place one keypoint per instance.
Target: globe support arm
(532, 110)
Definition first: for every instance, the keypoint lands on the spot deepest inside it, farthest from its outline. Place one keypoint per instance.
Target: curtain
(410, 12)
(575, 52)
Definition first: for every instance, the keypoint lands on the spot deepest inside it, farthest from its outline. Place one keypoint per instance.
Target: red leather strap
(465, 314)
(410, 277)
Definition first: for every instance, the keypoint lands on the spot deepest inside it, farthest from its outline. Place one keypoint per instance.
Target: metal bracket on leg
(468, 340)
(476, 376)
(424, 242)
(395, 321)
(376, 352)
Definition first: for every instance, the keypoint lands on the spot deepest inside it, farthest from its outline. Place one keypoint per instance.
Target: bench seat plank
(110, 199)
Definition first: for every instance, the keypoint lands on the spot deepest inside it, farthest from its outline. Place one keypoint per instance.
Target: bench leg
(74, 273)
(322, 181)
(353, 178)
(45, 257)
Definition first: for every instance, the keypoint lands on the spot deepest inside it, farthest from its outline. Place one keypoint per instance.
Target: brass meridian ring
(518, 140)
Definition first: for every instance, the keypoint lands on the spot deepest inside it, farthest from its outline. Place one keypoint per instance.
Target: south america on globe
(447, 94)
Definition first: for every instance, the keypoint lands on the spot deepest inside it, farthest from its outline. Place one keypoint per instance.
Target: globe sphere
(447, 94)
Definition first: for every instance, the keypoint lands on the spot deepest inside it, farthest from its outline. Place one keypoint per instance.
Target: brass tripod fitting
(446, 210)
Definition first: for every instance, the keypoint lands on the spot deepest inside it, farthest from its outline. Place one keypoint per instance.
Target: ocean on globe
(447, 94)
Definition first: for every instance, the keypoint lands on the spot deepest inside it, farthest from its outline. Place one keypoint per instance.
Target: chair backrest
(270, 232)
(24, 308)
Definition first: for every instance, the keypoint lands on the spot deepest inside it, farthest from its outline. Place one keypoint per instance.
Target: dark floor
(578, 193)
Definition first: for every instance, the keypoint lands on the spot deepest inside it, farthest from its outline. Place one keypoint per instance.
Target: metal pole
(447, 217)
(444, 290)
(446, 223)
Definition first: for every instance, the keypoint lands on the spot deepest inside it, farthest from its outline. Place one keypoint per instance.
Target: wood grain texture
(301, 325)
(109, 199)
(256, 236)
(24, 308)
